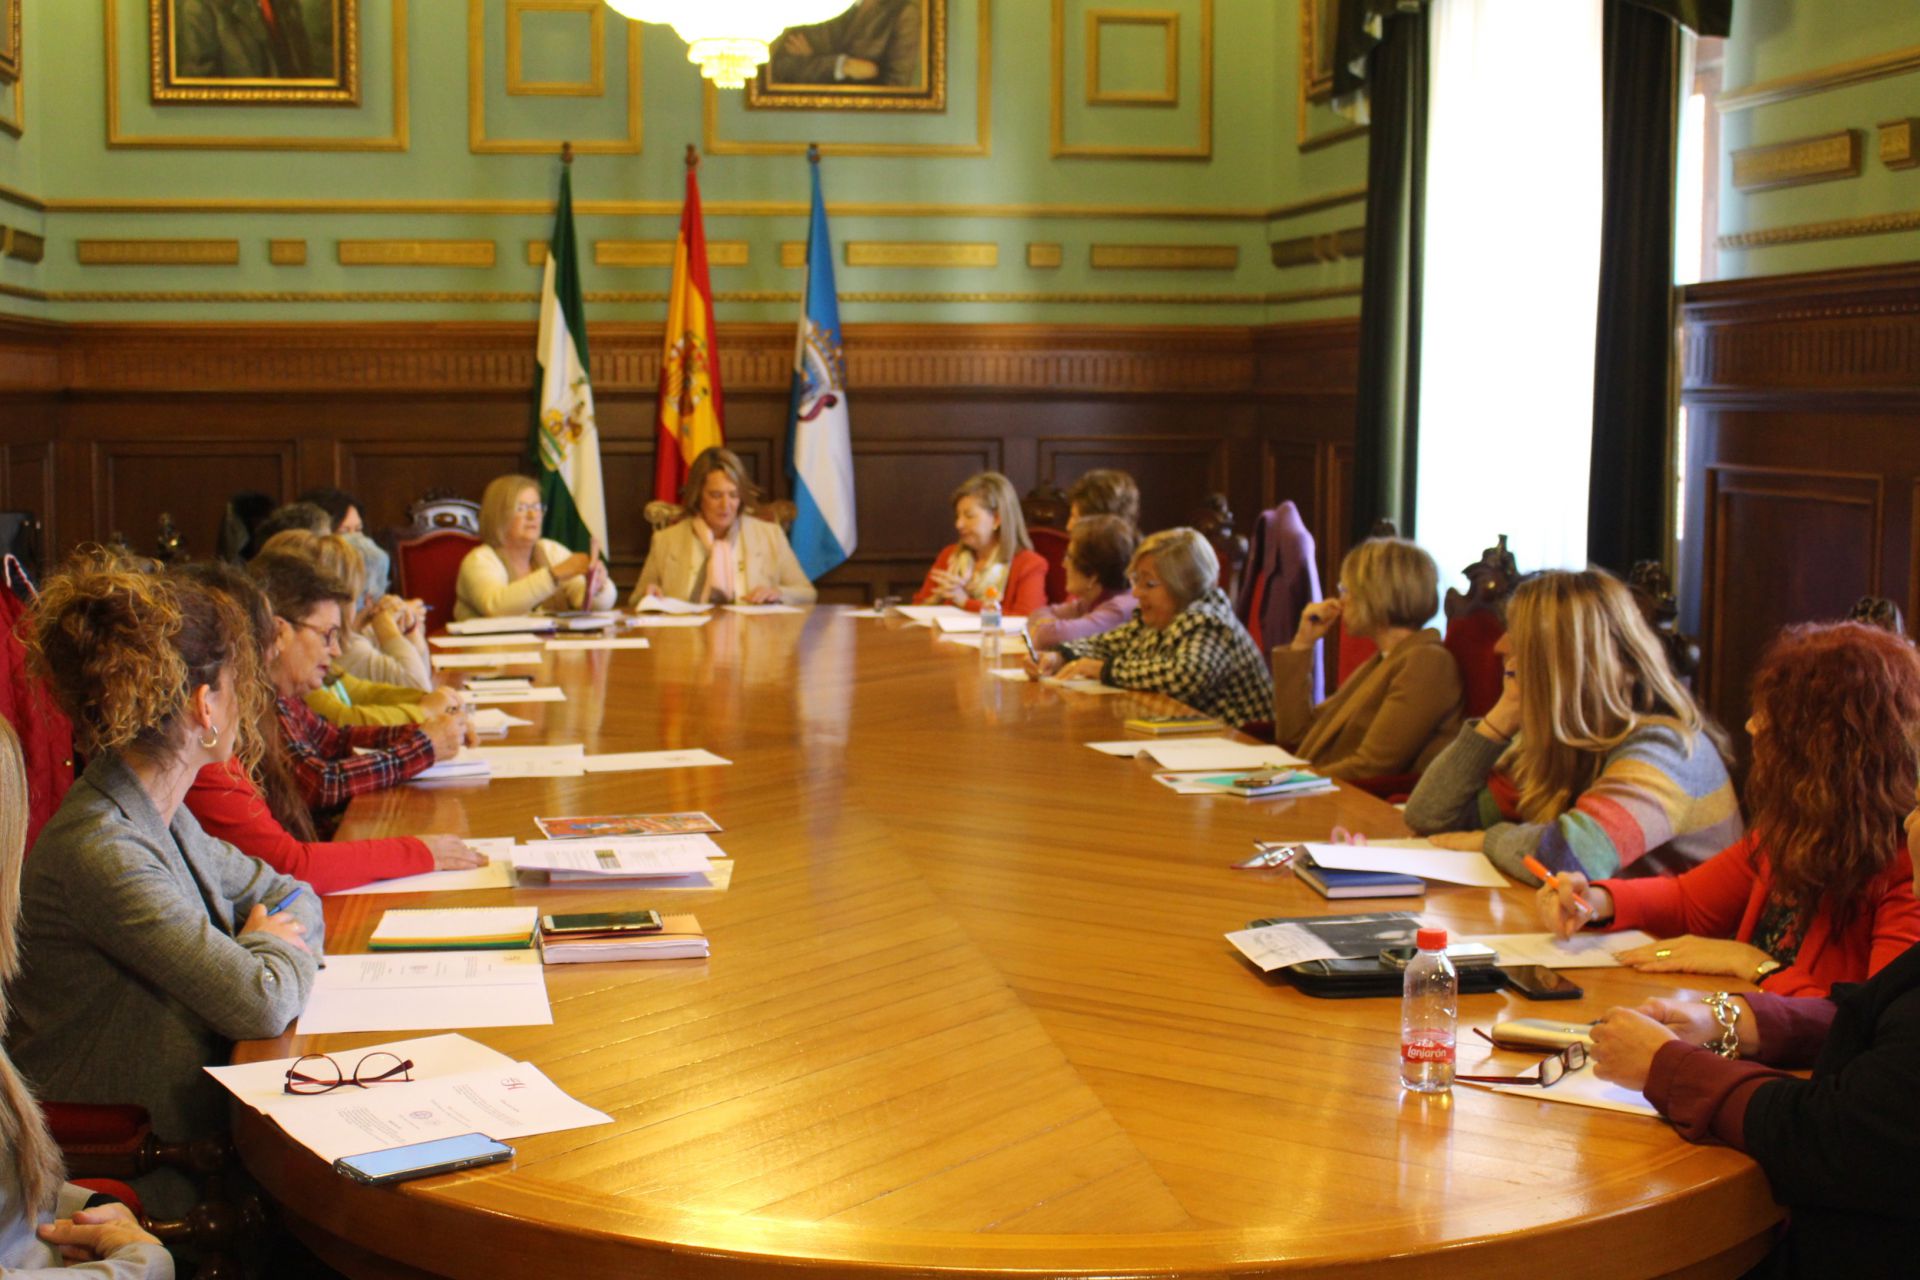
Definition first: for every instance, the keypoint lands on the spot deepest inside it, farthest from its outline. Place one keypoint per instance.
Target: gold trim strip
(22, 291)
(414, 253)
(1762, 93)
(32, 203)
(659, 253)
(398, 140)
(1330, 246)
(1837, 229)
(22, 246)
(158, 253)
(1797, 162)
(793, 253)
(595, 86)
(1897, 138)
(287, 253)
(1164, 257)
(17, 126)
(1061, 148)
(479, 144)
(1168, 95)
(919, 253)
(1044, 257)
(773, 296)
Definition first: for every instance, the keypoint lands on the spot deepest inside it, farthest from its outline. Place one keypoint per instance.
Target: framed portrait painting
(10, 40)
(879, 55)
(280, 52)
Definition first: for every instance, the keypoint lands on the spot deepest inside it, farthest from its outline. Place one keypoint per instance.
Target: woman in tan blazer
(718, 554)
(1402, 706)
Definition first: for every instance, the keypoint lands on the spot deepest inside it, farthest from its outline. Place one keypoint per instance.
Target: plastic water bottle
(990, 626)
(1428, 1012)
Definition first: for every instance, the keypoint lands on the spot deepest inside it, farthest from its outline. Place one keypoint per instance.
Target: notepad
(493, 626)
(504, 658)
(598, 642)
(666, 604)
(456, 929)
(1411, 858)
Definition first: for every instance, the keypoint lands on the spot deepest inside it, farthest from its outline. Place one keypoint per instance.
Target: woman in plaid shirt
(1184, 640)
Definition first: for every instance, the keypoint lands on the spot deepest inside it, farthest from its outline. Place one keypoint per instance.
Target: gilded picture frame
(1316, 48)
(254, 52)
(10, 40)
(879, 55)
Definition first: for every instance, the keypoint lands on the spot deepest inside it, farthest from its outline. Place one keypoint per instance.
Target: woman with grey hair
(1184, 640)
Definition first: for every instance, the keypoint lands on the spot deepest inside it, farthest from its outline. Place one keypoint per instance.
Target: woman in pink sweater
(1820, 890)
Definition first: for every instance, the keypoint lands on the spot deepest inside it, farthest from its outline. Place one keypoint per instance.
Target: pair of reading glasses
(317, 1073)
(1548, 1073)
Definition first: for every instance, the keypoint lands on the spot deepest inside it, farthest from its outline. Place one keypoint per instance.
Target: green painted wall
(1772, 39)
(1015, 194)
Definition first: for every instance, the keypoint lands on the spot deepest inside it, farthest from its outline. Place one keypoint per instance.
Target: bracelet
(1727, 1014)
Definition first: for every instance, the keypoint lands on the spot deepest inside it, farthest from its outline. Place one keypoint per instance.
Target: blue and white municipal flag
(819, 431)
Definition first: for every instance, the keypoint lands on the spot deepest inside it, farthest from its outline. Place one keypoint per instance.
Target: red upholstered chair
(1470, 639)
(1352, 652)
(1052, 546)
(428, 569)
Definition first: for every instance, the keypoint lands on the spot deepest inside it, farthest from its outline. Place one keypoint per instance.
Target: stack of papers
(765, 608)
(680, 939)
(1200, 755)
(666, 604)
(617, 861)
(495, 626)
(589, 620)
(483, 641)
(487, 658)
(1581, 951)
(427, 992)
(597, 642)
(457, 769)
(513, 691)
(455, 929)
(1410, 858)
(670, 620)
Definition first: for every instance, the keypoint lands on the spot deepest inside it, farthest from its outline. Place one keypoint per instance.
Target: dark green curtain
(1382, 51)
(1633, 341)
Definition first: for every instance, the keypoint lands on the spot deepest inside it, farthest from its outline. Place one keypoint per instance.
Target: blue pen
(287, 901)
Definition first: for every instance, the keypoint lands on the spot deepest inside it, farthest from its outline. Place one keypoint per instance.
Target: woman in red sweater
(993, 552)
(1821, 889)
(270, 821)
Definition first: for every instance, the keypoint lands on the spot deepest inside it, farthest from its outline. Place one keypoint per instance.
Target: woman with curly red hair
(1821, 888)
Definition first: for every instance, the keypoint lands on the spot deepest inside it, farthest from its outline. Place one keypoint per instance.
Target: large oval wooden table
(969, 1011)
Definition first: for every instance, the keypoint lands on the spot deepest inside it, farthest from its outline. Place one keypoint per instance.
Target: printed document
(597, 642)
(512, 658)
(667, 604)
(1275, 946)
(623, 856)
(628, 761)
(1429, 863)
(260, 1084)
(427, 991)
(764, 608)
(483, 641)
(518, 693)
(1581, 951)
(505, 624)
(1579, 1088)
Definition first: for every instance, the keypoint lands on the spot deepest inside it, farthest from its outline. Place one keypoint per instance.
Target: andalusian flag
(819, 431)
(565, 437)
(689, 418)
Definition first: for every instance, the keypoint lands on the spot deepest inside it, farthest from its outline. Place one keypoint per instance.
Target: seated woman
(1595, 759)
(718, 554)
(993, 552)
(341, 507)
(1184, 640)
(269, 820)
(1400, 707)
(1104, 492)
(40, 1212)
(149, 946)
(331, 765)
(1821, 889)
(1098, 552)
(514, 570)
(394, 654)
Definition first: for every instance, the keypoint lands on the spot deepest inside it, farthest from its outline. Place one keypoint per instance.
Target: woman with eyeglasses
(514, 570)
(147, 945)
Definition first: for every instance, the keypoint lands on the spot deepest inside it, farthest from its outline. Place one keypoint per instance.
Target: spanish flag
(689, 418)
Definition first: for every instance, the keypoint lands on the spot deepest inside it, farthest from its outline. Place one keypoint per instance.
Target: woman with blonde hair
(40, 1212)
(718, 554)
(1595, 759)
(514, 570)
(1184, 640)
(993, 553)
(1400, 707)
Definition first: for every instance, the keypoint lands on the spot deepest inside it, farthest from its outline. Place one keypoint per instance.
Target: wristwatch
(1767, 968)
(1727, 1013)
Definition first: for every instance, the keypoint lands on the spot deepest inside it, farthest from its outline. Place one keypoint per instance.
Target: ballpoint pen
(1538, 868)
(287, 901)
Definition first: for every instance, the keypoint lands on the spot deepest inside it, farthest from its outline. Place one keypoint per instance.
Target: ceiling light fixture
(729, 39)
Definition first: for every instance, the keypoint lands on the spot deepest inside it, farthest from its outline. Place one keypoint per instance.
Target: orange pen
(1538, 868)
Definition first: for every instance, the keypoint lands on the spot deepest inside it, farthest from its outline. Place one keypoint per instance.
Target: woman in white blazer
(515, 570)
(718, 554)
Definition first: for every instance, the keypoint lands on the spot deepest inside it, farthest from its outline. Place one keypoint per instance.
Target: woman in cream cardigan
(515, 570)
(718, 554)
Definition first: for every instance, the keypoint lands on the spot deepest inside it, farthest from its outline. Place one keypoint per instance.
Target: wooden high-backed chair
(1477, 620)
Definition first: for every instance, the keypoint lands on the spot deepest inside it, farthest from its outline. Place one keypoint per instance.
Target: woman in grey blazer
(718, 554)
(147, 945)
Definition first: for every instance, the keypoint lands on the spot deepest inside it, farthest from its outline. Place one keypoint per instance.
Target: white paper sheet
(1582, 951)
(520, 693)
(1080, 686)
(1579, 1088)
(970, 641)
(667, 604)
(626, 857)
(598, 642)
(1192, 754)
(962, 621)
(717, 879)
(495, 875)
(483, 641)
(260, 1084)
(427, 991)
(491, 722)
(671, 620)
(863, 613)
(454, 770)
(504, 623)
(1126, 747)
(629, 761)
(1275, 946)
(1449, 865)
(764, 608)
(486, 658)
(430, 925)
(566, 761)
(923, 615)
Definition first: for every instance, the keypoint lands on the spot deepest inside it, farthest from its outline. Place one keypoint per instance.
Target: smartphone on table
(602, 922)
(1537, 982)
(422, 1159)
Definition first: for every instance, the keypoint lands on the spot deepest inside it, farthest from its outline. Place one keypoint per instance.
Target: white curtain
(1511, 278)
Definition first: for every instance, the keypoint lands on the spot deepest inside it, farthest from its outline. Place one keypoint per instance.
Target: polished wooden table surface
(969, 1010)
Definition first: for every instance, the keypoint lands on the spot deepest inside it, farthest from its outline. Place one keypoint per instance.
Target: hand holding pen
(1566, 901)
(275, 921)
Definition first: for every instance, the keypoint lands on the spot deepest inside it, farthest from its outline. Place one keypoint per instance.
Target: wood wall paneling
(136, 481)
(1169, 467)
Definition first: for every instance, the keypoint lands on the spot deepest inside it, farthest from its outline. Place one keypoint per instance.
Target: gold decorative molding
(287, 253)
(1168, 95)
(1798, 162)
(1878, 66)
(1044, 257)
(793, 253)
(920, 253)
(1328, 246)
(33, 203)
(714, 145)
(415, 253)
(1164, 257)
(479, 144)
(651, 297)
(518, 86)
(1201, 150)
(659, 253)
(397, 140)
(22, 246)
(1837, 229)
(158, 253)
(16, 124)
(1897, 149)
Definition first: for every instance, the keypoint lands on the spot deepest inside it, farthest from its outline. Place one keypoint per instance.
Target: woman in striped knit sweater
(1594, 760)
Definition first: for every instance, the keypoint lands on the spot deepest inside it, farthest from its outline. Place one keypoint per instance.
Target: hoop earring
(212, 739)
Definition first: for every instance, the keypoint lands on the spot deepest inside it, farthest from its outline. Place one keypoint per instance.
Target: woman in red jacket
(993, 552)
(271, 821)
(1821, 888)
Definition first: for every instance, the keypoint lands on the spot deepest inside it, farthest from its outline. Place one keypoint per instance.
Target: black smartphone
(422, 1159)
(1537, 982)
(602, 922)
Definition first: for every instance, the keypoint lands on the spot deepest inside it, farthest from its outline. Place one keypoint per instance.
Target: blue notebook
(1329, 883)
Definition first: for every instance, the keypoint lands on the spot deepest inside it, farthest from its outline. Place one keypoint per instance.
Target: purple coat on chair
(1280, 581)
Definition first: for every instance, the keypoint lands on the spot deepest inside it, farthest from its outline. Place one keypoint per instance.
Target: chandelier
(729, 39)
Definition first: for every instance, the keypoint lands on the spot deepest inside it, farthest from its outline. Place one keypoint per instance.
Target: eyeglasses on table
(318, 1073)
(1549, 1072)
